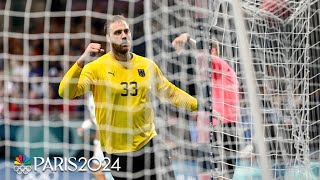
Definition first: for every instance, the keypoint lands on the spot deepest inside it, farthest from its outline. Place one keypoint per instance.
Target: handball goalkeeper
(121, 83)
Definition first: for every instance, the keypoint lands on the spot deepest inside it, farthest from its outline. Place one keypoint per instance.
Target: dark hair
(112, 20)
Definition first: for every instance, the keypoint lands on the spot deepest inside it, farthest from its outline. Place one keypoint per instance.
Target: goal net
(41, 40)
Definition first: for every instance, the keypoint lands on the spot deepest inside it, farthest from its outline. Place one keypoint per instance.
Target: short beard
(118, 49)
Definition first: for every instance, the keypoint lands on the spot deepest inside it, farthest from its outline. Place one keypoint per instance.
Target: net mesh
(41, 39)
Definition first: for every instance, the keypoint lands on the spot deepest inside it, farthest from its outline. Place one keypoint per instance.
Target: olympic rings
(22, 169)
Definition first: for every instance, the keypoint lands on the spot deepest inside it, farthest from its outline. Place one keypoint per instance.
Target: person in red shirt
(225, 100)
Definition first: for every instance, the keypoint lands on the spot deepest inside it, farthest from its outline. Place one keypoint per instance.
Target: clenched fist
(91, 51)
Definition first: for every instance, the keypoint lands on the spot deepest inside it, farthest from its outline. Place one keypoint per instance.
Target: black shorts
(144, 164)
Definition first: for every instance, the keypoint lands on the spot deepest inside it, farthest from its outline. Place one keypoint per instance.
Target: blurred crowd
(31, 85)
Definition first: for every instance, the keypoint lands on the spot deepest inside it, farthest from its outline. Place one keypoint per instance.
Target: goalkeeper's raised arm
(77, 80)
(179, 42)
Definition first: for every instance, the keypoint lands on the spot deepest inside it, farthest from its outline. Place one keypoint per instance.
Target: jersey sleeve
(167, 91)
(76, 82)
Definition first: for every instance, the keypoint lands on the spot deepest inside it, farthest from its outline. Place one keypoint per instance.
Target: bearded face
(120, 37)
(122, 48)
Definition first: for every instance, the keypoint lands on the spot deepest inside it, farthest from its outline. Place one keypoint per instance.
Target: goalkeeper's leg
(230, 148)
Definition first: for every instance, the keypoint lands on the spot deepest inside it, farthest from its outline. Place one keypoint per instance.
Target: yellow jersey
(121, 91)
